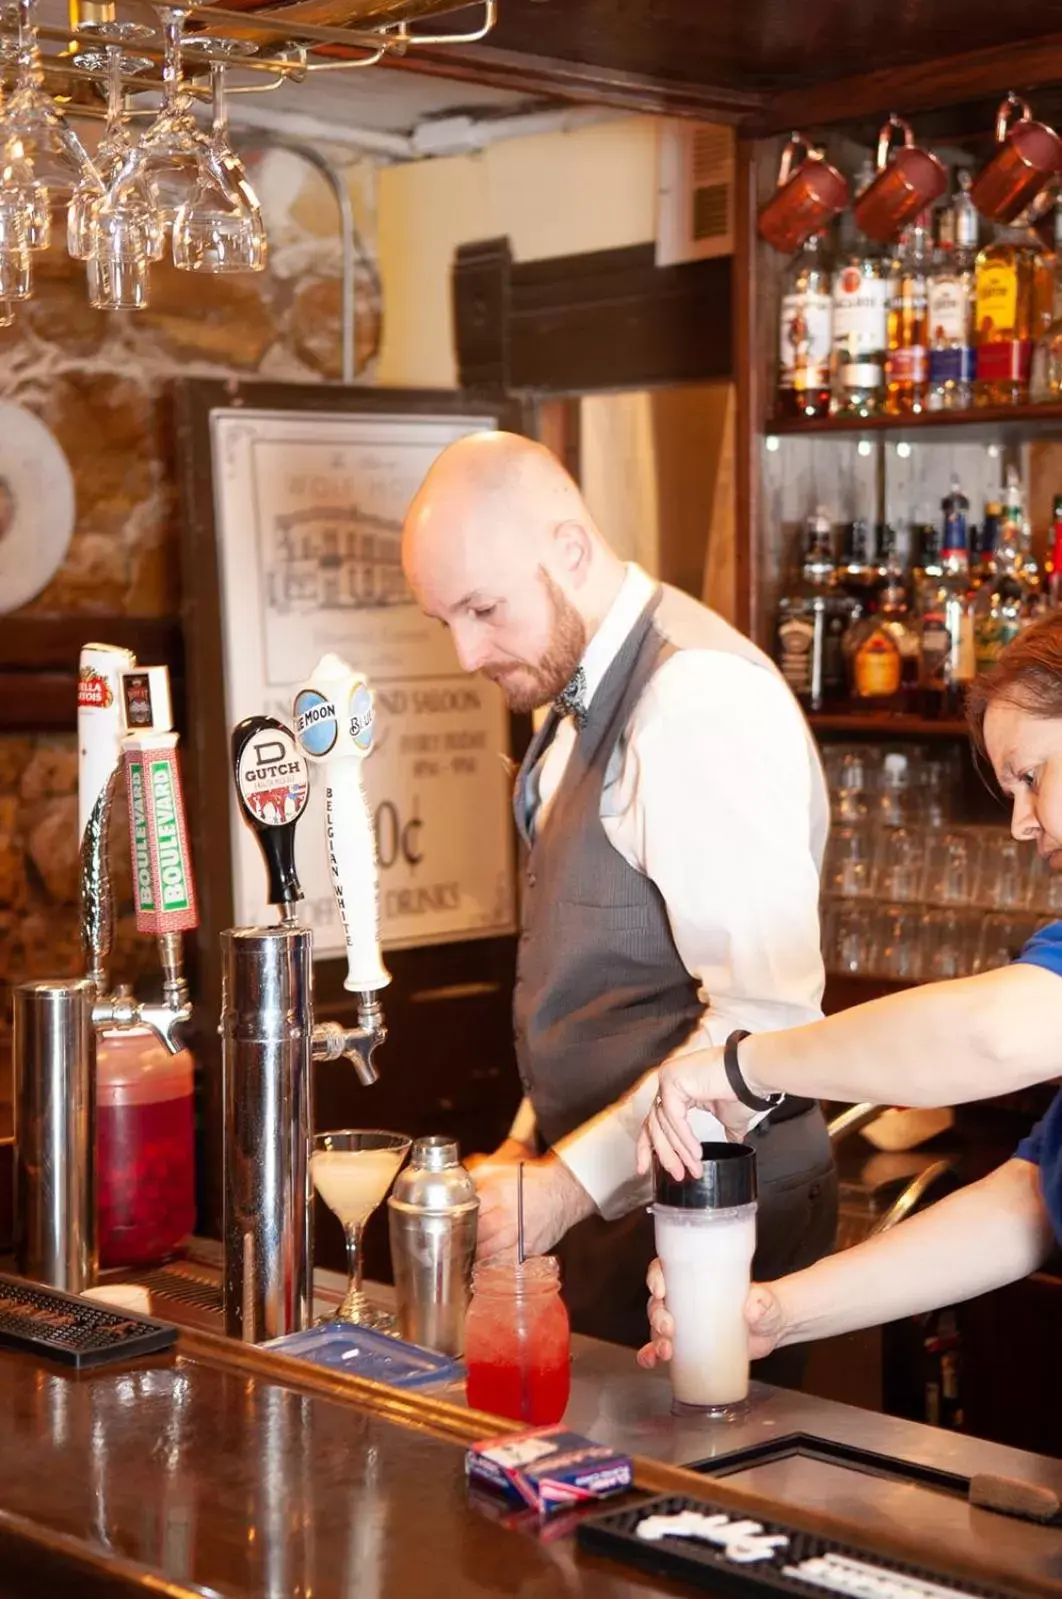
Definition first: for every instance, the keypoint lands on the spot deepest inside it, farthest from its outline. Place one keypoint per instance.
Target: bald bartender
(674, 814)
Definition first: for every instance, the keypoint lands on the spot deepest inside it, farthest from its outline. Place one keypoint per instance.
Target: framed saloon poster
(308, 500)
(292, 502)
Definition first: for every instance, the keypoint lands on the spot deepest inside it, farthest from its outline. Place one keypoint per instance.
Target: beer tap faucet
(272, 785)
(269, 1035)
(123, 712)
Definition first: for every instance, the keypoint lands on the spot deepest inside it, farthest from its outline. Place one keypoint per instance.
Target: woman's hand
(696, 1080)
(763, 1312)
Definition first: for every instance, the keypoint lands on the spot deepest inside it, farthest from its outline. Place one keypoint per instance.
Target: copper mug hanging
(1028, 154)
(810, 193)
(908, 180)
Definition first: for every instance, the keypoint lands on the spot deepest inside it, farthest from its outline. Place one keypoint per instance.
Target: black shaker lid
(728, 1180)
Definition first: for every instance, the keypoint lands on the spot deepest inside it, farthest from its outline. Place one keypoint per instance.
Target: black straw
(520, 1213)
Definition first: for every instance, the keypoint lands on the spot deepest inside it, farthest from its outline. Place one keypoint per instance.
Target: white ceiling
(387, 99)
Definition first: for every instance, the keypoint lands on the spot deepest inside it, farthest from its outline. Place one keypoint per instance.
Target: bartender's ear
(571, 551)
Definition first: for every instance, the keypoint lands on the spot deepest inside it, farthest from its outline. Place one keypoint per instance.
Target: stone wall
(100, 382)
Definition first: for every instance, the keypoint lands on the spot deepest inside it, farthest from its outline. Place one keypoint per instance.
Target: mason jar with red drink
(518, 1341)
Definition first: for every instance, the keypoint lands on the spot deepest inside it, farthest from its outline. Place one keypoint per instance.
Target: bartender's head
(1015, 716)
(498, 544)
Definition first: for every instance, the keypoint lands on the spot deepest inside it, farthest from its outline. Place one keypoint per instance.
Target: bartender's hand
(554, 1201)
(697, 1080)
(509, 1149)
(763, 1312)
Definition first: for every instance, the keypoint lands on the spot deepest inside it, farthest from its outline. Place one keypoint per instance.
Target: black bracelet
(739, 1086)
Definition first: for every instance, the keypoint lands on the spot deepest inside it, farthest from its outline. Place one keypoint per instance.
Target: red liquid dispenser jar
(518, 1341)
(146, 1142)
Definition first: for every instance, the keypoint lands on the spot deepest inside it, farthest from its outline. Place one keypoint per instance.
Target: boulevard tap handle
(163, 880)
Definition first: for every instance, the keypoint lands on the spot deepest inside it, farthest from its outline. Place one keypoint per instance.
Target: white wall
(552, 194)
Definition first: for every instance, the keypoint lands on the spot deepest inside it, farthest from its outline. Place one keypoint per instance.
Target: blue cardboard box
(548, 1467)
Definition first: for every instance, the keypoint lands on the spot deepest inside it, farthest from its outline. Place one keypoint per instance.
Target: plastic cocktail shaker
(705, 1238)
(432, 1214)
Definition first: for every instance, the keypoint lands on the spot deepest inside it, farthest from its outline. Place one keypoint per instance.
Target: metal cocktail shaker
(432, 1214)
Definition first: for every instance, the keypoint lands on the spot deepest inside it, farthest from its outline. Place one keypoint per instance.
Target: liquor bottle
(984, 542)
(856, 575)
(804, 345)
(926, 564)
(1046, 381)
(883, 649)
(887, 545)
(951, 306)
(999, 602)
(946, 617)
(906, 364)
(813, 617)
(1007, 295)
(1053, 569)
(860, 322)
(1015, 532)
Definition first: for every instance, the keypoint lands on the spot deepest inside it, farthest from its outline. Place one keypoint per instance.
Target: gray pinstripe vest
(601, 992)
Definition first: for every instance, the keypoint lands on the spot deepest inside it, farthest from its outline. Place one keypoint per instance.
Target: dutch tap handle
(334, 725)
(100, 725)
(272, 786)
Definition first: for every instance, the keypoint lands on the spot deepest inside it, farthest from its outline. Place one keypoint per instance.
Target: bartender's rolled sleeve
(600, 1154)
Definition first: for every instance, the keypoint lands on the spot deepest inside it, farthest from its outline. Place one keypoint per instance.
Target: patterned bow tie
(571, 701)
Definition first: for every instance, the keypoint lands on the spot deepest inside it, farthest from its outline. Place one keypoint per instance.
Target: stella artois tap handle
(272, 787)
(100, 725)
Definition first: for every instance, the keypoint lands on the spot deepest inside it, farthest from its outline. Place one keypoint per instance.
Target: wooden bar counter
(181, 1475)
(223, 1469)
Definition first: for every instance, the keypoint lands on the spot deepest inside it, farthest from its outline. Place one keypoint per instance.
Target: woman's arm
(941, 1044)
(994, 1232)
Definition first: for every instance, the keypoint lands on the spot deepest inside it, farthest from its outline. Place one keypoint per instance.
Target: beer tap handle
(100, 726)
(334, 725)
(163, 881)
(273, 786)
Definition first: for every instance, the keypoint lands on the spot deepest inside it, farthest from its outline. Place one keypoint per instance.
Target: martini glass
(220, 228)
(167, 155)
(56, 160)
(352, 1171)
(113, 63)
(25, 206)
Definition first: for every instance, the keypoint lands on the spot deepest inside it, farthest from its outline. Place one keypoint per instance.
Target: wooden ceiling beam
(923, 86)
(582, 82)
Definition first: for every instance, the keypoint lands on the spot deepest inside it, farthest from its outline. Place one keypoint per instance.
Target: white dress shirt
(716, 794)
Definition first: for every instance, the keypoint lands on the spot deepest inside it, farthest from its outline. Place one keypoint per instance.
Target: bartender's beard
(530, 684)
